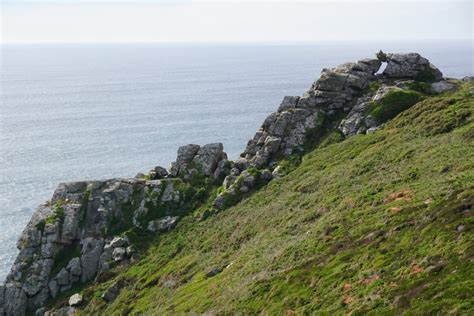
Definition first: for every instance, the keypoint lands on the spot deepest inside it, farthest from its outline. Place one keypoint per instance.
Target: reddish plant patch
(416, 268)
(348, 299)
(370, 280)
(395, 209)
(347, 287)
(403, 195)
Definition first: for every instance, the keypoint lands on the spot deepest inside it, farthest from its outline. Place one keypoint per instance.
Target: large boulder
(411, 66)
(75, 299)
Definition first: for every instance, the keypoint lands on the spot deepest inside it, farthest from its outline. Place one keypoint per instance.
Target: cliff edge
(101, 235)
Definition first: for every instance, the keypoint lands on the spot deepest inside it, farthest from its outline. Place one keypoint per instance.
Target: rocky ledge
(91, 226)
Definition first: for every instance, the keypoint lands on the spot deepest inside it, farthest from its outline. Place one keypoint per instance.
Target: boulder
(162, 224)
(158, 173)
(412, 66)
(119, 242)
(442, 86)
(75, 299)
(118, 254)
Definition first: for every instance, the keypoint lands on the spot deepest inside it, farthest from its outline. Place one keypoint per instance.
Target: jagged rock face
(286, 131)
(341, 83)
(357, 121)
(280, 133)
(79, 216)
(412, 66)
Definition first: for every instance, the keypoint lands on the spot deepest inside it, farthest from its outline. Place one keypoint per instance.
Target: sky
(227, 21)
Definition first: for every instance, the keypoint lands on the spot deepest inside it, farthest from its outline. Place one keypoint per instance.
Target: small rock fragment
(75, 299)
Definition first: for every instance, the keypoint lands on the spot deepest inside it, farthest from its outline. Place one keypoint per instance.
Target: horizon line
(286, 42)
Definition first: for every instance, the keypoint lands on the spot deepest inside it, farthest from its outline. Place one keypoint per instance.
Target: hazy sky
(232, 21)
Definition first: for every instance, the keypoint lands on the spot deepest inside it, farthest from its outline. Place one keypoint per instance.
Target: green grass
(393, 103)
(368, 225)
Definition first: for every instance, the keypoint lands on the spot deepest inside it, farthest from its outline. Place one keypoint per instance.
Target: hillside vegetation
(373, 224)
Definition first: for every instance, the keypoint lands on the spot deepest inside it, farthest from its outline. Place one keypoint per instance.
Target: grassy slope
(365, 225)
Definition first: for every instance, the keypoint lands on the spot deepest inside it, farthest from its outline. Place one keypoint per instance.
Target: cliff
(355, 196)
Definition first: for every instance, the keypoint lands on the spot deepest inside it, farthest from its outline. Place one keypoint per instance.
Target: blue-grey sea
(73, 112)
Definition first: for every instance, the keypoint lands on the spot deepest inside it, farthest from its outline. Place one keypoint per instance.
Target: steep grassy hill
(374, 224)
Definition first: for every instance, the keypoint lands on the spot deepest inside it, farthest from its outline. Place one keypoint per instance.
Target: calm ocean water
(74, 112)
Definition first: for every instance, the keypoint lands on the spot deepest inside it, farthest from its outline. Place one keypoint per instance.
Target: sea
(92, 111)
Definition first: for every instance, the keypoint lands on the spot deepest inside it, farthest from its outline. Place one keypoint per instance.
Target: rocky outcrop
(81, 232)
(285, 132)
(357, 121)
(82, 216)
(237, 185)
(411, 66)
(195, 160)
